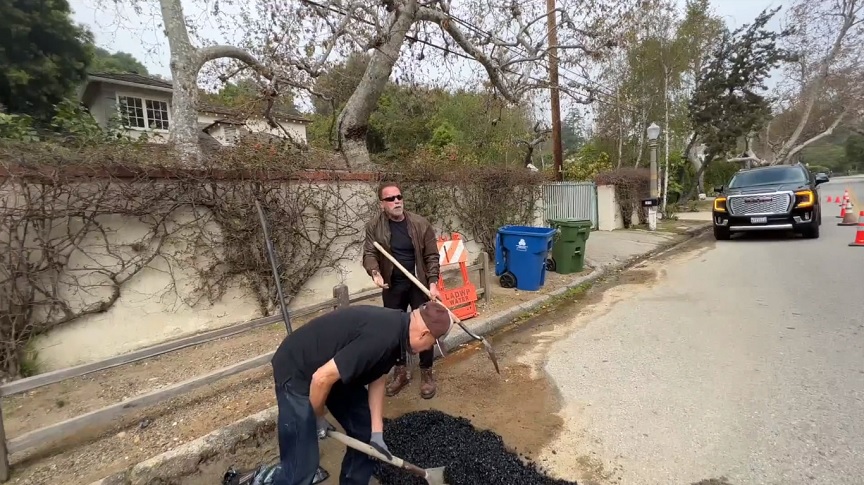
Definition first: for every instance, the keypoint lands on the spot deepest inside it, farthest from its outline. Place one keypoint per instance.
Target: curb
(185, 459)
(506, 317)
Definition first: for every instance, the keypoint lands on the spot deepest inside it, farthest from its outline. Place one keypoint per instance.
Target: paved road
(744, 361)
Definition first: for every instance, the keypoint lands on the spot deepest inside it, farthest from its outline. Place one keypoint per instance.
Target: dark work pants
(400, 295)
(298, 436)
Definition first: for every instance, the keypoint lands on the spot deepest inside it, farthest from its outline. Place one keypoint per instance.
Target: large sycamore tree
(824, 87)
(290, 43)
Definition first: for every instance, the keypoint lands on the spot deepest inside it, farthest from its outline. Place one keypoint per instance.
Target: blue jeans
(298, 437)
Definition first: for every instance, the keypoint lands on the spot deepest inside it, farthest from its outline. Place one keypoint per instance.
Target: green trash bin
(568, 248)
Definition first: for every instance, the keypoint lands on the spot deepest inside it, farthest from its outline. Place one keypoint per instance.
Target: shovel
(433, 476)
(425, 290)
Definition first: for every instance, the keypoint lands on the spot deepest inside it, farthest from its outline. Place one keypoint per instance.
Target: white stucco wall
(148, 313)
(609, 214)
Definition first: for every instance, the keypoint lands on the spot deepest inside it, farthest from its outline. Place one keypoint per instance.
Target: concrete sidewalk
(694, 216)
(606, 252)
(606, 248)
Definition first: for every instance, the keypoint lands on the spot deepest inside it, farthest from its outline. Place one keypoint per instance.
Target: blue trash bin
(520, 256)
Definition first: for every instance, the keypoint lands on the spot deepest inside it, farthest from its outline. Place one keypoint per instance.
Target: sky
(117, 27)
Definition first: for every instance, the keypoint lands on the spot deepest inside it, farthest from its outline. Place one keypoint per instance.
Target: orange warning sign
(462, 300)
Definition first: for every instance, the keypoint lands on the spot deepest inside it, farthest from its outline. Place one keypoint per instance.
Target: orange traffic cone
(848, 216)
(843, 209)
(859, 234)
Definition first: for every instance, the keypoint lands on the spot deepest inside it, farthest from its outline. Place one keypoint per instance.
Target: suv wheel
(721, 233)
(812, 231)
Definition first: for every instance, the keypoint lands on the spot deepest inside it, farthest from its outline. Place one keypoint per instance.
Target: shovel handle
(411, 277)
(369, 450)
(452, 315)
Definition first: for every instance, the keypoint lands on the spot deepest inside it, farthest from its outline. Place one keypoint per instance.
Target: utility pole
(553, 81)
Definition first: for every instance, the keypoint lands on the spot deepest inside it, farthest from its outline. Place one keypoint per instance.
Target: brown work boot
(427, 384)
(400, 380)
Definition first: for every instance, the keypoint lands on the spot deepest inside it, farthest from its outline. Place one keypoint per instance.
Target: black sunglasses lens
(392, 198)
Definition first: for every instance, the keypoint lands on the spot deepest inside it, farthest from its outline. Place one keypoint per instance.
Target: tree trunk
(693, 158)
(665, 182)
(620, 119)
(353, 121)
(184, 72)
(640, 146)
(185, 113)
(700, 176)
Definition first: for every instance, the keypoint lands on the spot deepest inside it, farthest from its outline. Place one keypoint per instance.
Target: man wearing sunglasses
(410, 239)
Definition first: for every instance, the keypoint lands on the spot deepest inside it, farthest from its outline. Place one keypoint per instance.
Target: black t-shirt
(402, 249)
(364, 340)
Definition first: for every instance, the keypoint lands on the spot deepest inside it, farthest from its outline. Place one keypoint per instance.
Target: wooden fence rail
(102, 418)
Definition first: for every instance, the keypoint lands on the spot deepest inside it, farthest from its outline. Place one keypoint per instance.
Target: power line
(447, 50)
(587, 84)
(524, 52)
(407, 36)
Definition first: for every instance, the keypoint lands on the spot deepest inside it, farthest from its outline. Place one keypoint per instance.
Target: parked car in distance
(823, 175)
(775, 198)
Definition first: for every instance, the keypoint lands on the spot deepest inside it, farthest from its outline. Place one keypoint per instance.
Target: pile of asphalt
(432, 439)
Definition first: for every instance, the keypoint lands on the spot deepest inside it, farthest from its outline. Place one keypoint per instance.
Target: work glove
(380, 446)
(323, 427)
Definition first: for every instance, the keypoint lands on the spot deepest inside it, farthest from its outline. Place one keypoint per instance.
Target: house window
(143, 113)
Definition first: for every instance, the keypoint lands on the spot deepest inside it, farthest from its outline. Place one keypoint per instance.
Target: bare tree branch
(814, 139)
(292, 42)
(540, 135)
(848, 15)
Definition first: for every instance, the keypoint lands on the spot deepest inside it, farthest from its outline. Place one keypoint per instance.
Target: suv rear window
(779, 175)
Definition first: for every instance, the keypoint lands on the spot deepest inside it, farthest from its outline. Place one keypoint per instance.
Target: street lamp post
(653, 134)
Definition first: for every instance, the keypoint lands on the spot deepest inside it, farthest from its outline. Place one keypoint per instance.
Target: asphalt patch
(430, 439)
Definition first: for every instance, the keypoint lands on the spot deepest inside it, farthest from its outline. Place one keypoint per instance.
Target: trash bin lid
(530, 231)
(571, 222)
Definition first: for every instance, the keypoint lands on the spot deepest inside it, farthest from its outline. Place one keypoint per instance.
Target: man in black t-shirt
(410, 239)
(326, 363)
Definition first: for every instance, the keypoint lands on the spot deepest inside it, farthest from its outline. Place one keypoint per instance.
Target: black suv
(775, 198)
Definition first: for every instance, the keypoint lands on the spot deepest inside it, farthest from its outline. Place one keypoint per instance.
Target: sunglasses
(392, 198)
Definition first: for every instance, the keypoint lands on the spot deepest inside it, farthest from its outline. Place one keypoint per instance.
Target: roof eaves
(119, 82)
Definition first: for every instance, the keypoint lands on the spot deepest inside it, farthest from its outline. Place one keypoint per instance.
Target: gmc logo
(755, 200)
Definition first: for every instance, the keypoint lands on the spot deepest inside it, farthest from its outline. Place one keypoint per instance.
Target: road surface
(741, 362)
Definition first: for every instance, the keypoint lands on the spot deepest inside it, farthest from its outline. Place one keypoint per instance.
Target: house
(143, 104)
